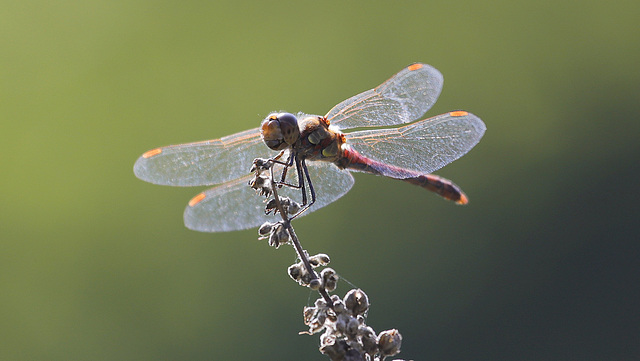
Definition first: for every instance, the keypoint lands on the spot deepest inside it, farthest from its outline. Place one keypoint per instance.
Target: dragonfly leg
(302, 168)
(299, 168)
(311, 190)
(286, 165)
(291, 206)
(286, 168)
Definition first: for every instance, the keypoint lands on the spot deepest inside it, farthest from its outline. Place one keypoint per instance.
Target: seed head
(330, 279)
(356, 301)
(319, 259)
(389, 342)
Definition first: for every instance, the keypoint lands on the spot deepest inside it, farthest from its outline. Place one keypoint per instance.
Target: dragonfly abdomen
(353, 160)
(442, 186)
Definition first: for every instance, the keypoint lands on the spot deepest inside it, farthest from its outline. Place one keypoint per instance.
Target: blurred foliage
(96, 265)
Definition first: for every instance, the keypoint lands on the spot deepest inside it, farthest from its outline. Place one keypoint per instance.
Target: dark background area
(97, 265)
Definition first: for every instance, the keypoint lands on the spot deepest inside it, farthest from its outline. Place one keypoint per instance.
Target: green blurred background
(97, 265)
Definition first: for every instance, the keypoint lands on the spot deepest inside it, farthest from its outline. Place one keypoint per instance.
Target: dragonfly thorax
(280, 130)
(318, 141)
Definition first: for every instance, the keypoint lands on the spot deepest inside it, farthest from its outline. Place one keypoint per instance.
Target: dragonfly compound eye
(289, 127)
(280, 130)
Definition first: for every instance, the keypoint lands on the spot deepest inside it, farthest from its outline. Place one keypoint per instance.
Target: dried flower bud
(315, 319)
(339, 307)
(356, 301)
(292, 207)
(288, 205)
(322, 316)
(354, 355)
(352, 327)
(389, 342)
(262, 185)
(331, 315)
(265, 229)
(279, 235)
(341, 323)
(260, 165)
(329, 278)
(331, 284)
(369, 340)
(296, 271)
(256, 182)
(270, 206)
(315, 284)
(336, 350)
(327, 339)
(320, 259)
(308, 314)
(306, 278)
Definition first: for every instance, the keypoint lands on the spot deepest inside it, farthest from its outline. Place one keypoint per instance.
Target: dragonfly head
(280, 130)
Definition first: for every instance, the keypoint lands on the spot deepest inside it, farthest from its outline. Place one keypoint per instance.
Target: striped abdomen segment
(447, 189)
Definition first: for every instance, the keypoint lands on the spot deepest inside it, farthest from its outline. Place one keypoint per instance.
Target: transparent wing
(202, 163)
(403, 98)
(234, 205)
(424, 146)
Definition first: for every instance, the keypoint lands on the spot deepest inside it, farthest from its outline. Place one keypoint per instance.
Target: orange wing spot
(197, 199)
(152, 152)
(413, 67)
(458, 113)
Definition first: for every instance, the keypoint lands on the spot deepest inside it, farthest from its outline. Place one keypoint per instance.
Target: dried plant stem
(346, 336)
(296, 243)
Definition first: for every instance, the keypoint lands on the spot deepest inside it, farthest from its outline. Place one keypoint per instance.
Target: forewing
(424, 146)
(235, 206)
(403, 98)
(202, 163)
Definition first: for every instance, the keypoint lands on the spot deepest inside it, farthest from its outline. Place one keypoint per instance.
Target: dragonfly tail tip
(463, 199)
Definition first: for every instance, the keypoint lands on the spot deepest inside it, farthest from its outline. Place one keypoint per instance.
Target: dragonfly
(375, 132)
